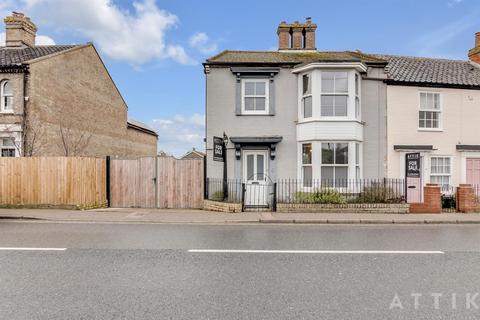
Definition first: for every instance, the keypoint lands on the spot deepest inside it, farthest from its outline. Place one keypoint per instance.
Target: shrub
(378, 193)
(328, 196)
(217, 196)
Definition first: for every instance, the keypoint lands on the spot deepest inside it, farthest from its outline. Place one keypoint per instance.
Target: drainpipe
(25, 99)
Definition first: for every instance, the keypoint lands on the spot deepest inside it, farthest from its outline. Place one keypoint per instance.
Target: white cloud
(453, 3)
(136, 36)
(202, 43)
(40, 40)
(180, 133)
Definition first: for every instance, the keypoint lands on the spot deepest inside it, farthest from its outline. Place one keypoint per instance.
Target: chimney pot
(20, 31)
(296, 35)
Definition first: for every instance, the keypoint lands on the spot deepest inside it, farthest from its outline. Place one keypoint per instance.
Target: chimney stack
(297, 36)
(474, 53)
(20, 31)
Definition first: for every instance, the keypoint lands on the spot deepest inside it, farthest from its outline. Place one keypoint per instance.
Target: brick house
(59, 100)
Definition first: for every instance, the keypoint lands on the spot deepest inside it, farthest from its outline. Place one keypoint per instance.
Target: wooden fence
(56, 181)
(161, 182)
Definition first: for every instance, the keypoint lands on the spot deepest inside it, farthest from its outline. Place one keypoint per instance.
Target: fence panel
(52, 181)
(162, 182)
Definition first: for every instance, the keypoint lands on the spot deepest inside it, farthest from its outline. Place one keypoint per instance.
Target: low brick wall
(432, 200)
(344, 208)
(219, 206)
(466, 199)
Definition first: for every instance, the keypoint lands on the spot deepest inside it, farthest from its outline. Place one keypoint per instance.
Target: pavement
(53, 270)
(136, 215)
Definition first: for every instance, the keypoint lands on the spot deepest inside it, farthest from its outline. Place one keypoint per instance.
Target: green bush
(378, 193)
(328, 196)
(217, 196)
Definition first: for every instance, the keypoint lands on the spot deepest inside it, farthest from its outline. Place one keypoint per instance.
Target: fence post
(243, 196)
(206, 188)
(107, 181)
(205, 179)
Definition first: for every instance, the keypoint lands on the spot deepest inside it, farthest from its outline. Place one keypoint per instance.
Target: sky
(154, 49)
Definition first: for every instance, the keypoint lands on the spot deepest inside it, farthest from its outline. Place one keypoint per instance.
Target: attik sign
(218, 148)
(412, 165)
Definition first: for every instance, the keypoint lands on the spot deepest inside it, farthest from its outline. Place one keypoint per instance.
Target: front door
(473, 173)
(255, 167)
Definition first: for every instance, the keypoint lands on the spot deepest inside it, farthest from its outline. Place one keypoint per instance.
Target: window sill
(307, 120)
(430, 130)
(7, 112)
(255, 114)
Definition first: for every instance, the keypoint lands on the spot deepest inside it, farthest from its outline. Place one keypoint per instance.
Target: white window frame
(303, 165)
(335, 165)
(358, 102)
(307, 95)
(267, 107)
(449, 175)
(439, 111)
(12, 147)
(3, 95)
(335, 93)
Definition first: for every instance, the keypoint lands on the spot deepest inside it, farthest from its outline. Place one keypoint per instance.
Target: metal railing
(215, 190)
(340, 191)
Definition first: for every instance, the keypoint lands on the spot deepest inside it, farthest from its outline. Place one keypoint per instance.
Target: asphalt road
(145, 271)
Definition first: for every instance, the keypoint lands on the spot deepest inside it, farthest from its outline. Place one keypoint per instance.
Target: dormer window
(6, 93)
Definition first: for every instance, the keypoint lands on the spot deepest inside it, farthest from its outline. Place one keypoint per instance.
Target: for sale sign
(218, 149)
(412, 165)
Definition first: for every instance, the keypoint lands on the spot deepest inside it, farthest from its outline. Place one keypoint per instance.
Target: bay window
(334, 97)
(334, 167)
(307, 172)
(429, 115)
(306, 96)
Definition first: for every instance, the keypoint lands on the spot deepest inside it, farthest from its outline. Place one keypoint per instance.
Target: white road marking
(315, 251)
(31, 249)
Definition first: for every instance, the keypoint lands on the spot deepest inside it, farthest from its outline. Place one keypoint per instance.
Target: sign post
(220, 154)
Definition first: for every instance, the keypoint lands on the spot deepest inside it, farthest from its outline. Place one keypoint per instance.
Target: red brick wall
(432, 200)
(466, 199)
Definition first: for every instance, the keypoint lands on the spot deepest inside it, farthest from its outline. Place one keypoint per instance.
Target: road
(161, 271)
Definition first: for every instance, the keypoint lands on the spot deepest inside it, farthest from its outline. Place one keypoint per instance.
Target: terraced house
(300, 113)
(60, 100)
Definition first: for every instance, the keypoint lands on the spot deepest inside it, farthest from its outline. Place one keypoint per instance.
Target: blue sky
(154, 48)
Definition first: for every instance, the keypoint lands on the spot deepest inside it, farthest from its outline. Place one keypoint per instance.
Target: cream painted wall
(460, 125)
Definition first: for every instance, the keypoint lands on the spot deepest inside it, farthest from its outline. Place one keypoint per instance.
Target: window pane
(307, 176)
(341, 175)
(436, 101)
(357, 153)
(306, 84)
(250, 88)
(327, 153)
(327, 175)
(341, 106)
(8, 152)
(357, 173)
(356, 84)
(307, 153)
(341, 82)
(249, 104)
(260, 166)
(7, 142)
(423, 100)
(259, 104)
(307, 107)
(260, 88)
(341, 153)
(250, 167)
(8, 103)
(328, 79)
(7, 88)
(327, 106)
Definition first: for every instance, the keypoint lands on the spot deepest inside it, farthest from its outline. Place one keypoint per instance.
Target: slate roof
(285, 57)
(431, 71)
(137, 124)
(401, 69)
(11, 57)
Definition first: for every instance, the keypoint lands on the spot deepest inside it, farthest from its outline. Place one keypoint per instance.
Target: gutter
(131, 125)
